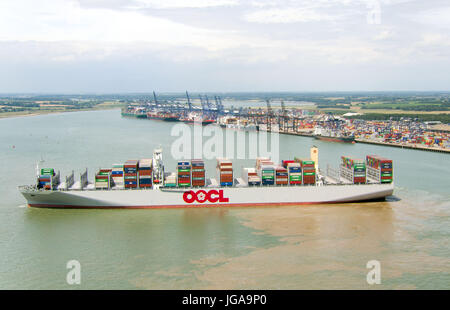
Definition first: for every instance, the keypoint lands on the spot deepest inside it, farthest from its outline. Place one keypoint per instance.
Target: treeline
(430, 106)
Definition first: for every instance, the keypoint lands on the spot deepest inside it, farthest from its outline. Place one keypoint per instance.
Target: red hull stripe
(262, 204)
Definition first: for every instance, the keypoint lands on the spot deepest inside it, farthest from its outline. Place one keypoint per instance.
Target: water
(272, 248)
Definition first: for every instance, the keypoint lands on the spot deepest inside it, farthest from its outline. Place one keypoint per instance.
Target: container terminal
(405, 133)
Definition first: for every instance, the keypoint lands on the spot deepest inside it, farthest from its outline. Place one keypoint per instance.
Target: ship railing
(28, 188)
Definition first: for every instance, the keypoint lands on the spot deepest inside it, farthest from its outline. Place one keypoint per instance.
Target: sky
(114, 46)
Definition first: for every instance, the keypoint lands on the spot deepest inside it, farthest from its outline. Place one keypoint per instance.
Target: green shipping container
(308, 162)
(47, 171)
(101, 180)
(309, 173)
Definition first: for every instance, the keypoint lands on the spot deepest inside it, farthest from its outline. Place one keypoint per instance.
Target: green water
(284, 247)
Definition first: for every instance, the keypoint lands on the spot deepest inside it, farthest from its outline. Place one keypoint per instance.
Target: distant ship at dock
(326, 134)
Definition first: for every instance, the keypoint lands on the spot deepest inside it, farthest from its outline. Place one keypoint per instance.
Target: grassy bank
(48, 110)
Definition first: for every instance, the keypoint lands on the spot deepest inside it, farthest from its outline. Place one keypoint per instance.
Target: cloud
(177, 4)
(55, 20)
(288, 15)
(383, 35)
(436, 17)
(243, 35)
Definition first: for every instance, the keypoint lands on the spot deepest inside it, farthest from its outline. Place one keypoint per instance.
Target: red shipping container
(145, 172)
(184, 181)
(198, 174)
(286, 162)
(295, 182)
(145, 185)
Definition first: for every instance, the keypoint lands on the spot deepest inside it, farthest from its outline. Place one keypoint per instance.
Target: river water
(307, 247)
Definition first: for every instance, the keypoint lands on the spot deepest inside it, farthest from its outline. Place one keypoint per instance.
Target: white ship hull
(206, 197)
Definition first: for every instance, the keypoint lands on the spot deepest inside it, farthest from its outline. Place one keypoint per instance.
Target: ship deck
(210, 183)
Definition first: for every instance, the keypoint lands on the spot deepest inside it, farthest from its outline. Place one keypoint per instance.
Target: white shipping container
(101, 185)
(293, 164)
(145, 163)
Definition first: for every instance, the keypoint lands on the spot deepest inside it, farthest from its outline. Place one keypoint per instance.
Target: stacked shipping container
(267, 173)
(281, 176)
(198, 172)
(379, 169)
(130, 169)
(117, 175)
(294, 172)
(184, 173)
(353, 170)
(145, 173)
(225, 171)
(250, 176)
(170, 179)
(45, 178)
(308, 171)
(103, 179)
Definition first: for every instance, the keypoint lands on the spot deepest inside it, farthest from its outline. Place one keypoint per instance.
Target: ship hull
(336, 139)
(204, 123)
(171, 119)
(209, 197)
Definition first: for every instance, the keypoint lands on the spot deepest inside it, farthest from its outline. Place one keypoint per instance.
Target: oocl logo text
(202, 196)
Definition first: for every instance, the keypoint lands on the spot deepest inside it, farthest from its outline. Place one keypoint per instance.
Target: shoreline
(32, 113)
(405, 146)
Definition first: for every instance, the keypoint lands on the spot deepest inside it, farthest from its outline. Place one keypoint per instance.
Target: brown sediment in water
(323, 247)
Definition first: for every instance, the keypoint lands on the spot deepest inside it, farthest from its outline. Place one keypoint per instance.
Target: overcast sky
(223, 45)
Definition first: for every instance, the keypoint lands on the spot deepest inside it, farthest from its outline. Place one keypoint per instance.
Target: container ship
(144, 183)
(138, 113)
(192, 118)
(332, 136)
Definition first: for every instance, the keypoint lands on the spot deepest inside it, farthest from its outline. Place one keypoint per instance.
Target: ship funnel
(314, 152)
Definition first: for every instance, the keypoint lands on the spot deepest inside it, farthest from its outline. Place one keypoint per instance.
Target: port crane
(189, 101)
(269, 115)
